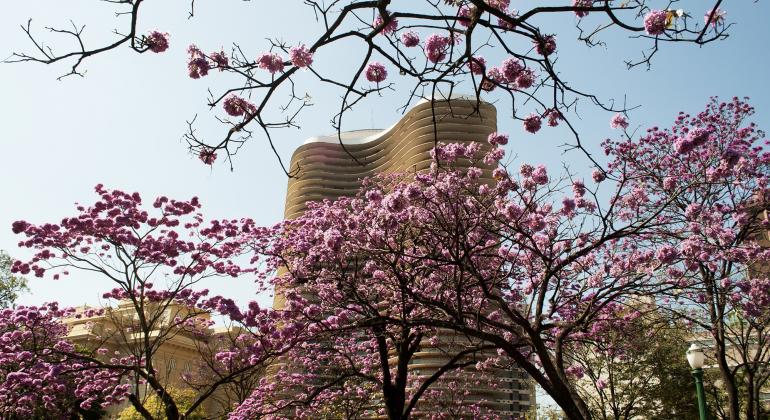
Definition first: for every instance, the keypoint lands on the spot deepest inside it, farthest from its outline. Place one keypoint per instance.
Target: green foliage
(184, 398)
(10, 285)
(649, 378)
(544, 412)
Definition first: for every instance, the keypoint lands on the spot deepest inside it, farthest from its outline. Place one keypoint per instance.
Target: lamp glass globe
(695, 356)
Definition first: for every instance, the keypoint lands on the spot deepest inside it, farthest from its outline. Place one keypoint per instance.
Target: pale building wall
(176, 356)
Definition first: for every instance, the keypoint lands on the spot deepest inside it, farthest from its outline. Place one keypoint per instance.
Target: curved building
(333, 166)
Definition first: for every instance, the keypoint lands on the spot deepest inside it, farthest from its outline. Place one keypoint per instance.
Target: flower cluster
(236, 106)
(554, 116)
(300, 56)
(410, 38)
(437, 47)
(512, 73)
(388, 28)
(156, 41)
(532, 123)
(477, 64)
(207, 156)
(271, 62)
(655, 22)
(717, 19)
(582, 4)
(376, 72)
(497, 139)
(117, 225)
(546, 45)
(198, 64)
(619, 121)
(466, 11)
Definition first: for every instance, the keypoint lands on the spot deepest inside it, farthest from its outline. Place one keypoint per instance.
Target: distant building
(178, 355)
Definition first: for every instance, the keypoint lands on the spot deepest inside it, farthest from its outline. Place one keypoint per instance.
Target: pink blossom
(271, 62)
(536, 222)
(575, 371)
(525, 79)
(19, 226)
(717, 19)
(395, 202)
(693, 139)
(511, 68)
(333, 239)
(390, 28)
(540, 175)
(494, 156)
(505, 24)
(497, 139)
(582, 3)
(568, 206)
(601, 384)
(477, 64)
(374, 196)
(598, 176)
(220, 60)
(666, 254)
(579, 188)
(207, 156)
(655, 22)
(466, 11)
(532, 123)
(436, 47)
(501, 5)
(197, 64)
(619, 121)
(300, 56)
(157, 41)
(494, 75)
(236, 106)
(546, 45)
(410, 38)
(376, 72)
(554, 116)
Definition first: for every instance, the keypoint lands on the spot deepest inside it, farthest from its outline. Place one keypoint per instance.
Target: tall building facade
(327, 169)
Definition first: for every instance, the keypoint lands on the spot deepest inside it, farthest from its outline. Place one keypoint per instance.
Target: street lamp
(695, 358)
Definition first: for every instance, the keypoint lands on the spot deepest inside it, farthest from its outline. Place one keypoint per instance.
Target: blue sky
(122, 124)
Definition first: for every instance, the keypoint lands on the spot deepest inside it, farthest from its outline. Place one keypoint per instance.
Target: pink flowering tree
(426, 48)
(710, 171)
(155, 259)
(39, 378)
(522, 262)
(364, 339)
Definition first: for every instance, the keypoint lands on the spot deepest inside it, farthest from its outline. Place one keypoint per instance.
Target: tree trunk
(395, 400)
(172, 412)
(573, 406)
(728, 381)
(750, 402)
(717, 315)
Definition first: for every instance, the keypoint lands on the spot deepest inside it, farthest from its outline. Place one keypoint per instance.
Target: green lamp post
(696, 358)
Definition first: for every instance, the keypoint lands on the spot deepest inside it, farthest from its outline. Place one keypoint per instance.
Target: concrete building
(179, 352)
(333, 166)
